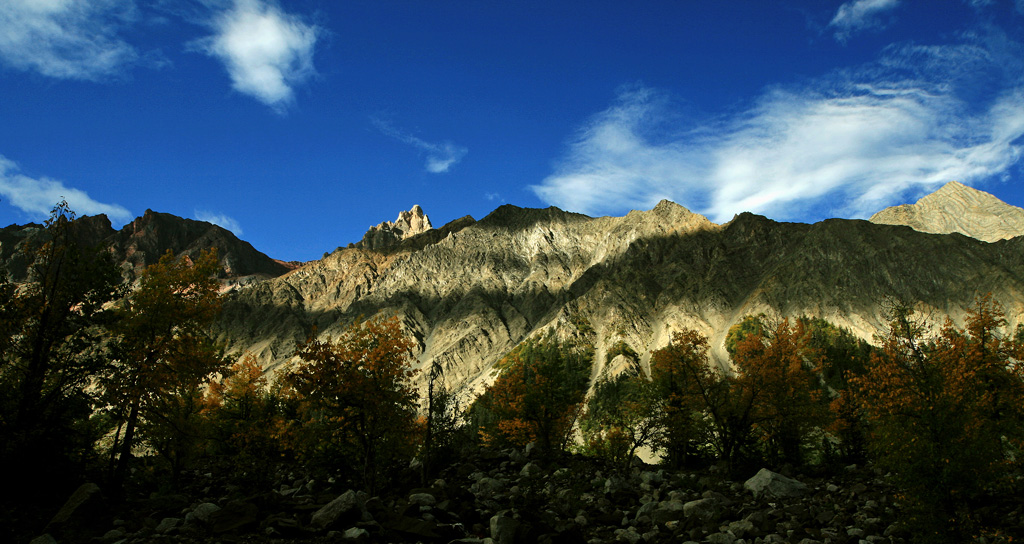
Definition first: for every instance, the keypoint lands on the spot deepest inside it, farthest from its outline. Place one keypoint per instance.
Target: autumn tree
(622, 415)
(777, 369)
(539, 394)
(51, 330)
(51, 338)
(165, 356)
(356, 394)
(246, 417)
(686, 385)
(942, 411)
(443, 420)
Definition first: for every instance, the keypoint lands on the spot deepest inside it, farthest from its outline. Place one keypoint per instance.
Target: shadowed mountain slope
(470, 295)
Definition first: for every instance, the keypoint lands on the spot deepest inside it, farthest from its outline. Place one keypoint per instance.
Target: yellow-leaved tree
(356, 397)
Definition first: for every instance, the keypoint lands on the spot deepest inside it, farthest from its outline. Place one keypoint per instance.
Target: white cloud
(847, 145)
(37, 197)
(67, 39)
(440, 156)
(220, 220)
(265, 50)
(858, 15)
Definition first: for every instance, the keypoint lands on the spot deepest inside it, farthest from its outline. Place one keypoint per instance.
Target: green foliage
(621, 348)
(50, 331)
(942, 413)
(622, 415)
(696, 402)
(538, 396)
(356, 399)
(776, 368)
(246, 419)
(750, 324)
(165, 356)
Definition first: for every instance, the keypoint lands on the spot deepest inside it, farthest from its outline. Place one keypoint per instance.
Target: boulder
(770, 485)
(347, 507)
(703, 510)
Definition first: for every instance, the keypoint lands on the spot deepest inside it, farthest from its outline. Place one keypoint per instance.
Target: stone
(43, 539)
(771, 485)
(667, 511)
(741, 528)
(83, 494)
(166, 525)
(422, 499)
(721, 538)
(235, 516)
(531, 469)
(201, 513)
(347, 506)
(356, 533)
(505, 529)
(704, 510)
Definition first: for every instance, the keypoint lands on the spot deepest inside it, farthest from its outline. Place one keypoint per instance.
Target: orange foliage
(777, 368)
(358, 389)
(942, 411)
(539, 395)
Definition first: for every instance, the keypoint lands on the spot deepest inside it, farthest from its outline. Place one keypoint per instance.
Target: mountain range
(470, 291)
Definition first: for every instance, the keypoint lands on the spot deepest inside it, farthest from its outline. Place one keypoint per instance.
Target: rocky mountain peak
(955, 207)
(408, 224)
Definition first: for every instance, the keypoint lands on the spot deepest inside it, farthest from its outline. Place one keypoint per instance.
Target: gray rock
(530, 469)
(768, 484)
(667, 511)
(202, 513)
(347, 506)
(167, 524)
(721, 538)
(356, 533)
(704, 510)
(83, 494)
(741, 528)
(422, 499)
(505, 529)
(43, 539)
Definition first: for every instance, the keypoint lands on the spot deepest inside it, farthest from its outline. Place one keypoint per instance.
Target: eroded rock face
(143, 241)
(471, 291)
(958, 208)
(389, 233)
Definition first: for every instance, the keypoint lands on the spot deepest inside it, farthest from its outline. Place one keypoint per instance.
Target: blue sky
(297, 124)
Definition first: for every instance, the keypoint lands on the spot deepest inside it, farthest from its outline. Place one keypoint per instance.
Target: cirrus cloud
(221, 220)
(846, 144)
(37, 197)
(858, 15)
(67, 39)
(441, 156)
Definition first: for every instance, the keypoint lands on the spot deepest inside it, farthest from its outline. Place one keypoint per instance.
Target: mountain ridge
(955, 207)
(471, 295)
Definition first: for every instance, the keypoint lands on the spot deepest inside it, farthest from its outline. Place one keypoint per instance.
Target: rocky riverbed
(510, 497)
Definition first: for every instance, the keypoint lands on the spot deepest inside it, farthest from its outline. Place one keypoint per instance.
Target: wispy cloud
(265, 50)
(220, 220)
(440, 156)
(67, 39)
(858, 15)
(853, 141)
(37, 197)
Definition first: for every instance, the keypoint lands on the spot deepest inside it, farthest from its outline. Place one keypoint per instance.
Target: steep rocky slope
(142, 242)
(471, 291)
(958, 208)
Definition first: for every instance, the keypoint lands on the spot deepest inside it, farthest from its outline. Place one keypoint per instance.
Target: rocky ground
(510, 497)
